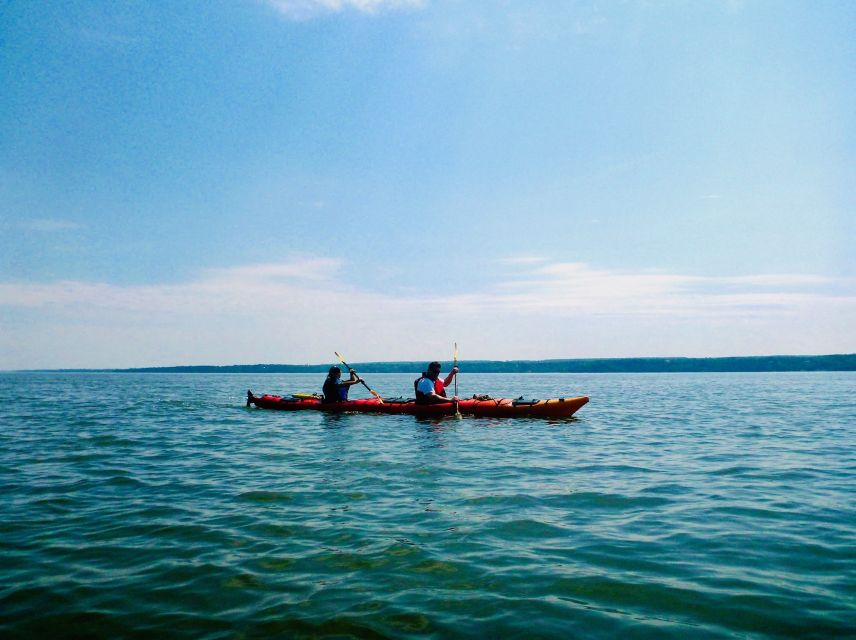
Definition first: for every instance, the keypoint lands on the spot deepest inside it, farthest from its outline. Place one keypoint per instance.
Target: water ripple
(704, 506)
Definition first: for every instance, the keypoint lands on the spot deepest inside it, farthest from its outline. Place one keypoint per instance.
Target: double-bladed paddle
(371, 391)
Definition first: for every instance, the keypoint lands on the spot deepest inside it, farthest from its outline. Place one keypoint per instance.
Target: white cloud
(304, 9)
(103, 37)
(574, 287)
(299, 310)
(47, 225)
(310, 268)
(775, 280)
(522, 260)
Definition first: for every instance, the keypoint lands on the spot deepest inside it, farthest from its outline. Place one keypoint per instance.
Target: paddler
(430, 389)
(334, 389)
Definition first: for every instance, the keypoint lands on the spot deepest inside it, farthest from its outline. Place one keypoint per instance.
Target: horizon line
(400, 363)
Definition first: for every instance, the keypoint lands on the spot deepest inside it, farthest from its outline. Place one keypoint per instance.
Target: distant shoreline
(839, 362)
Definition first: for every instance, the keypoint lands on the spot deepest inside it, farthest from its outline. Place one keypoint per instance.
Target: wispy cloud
(305, 9)
(254, 288)
(560, 287)
(47, 225)
(311, 268)
(105, 38)
(295, 310)
(522, 260)
(577, 288)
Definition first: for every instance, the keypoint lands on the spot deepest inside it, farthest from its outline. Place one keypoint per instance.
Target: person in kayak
(334, 389)
(430, 389)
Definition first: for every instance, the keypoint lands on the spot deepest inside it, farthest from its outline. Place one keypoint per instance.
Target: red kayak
(477, 406)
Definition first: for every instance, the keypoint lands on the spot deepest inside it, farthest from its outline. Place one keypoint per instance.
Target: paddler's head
(335, 373)
(434, 370)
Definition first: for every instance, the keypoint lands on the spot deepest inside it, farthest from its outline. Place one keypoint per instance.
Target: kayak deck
(477, 406)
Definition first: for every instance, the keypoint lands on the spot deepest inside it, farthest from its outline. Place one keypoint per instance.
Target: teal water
(672, 506)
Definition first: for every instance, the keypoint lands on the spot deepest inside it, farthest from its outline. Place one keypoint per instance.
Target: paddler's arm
(450, 377)
(436, 398)
(354, 379)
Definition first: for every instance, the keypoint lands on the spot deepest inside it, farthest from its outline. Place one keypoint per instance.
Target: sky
(257, 181)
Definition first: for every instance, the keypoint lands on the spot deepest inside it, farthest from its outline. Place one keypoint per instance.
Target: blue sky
(269, 180)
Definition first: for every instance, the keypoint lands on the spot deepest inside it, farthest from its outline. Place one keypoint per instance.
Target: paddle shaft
(371, 391)
(456, 365)
(457, 409)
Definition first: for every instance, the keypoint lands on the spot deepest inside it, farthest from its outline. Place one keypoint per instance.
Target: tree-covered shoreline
(839, 362)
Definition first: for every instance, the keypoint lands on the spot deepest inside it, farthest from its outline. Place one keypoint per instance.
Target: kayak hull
(494, 407)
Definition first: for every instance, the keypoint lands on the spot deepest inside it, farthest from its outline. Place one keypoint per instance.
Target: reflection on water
(432, 432)
(335, 420)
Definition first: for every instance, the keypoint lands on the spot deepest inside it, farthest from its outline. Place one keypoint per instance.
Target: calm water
(673, 505)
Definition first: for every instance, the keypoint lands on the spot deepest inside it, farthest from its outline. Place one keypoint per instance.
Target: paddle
(371, 391)
(457, 408)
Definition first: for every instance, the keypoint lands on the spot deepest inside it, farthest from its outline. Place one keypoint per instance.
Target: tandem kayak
(478, 406)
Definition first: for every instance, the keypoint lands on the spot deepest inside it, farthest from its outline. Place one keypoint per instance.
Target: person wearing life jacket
(430, 389)
(334, 389)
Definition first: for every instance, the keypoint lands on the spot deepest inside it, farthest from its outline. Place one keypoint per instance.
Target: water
(673, 505)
